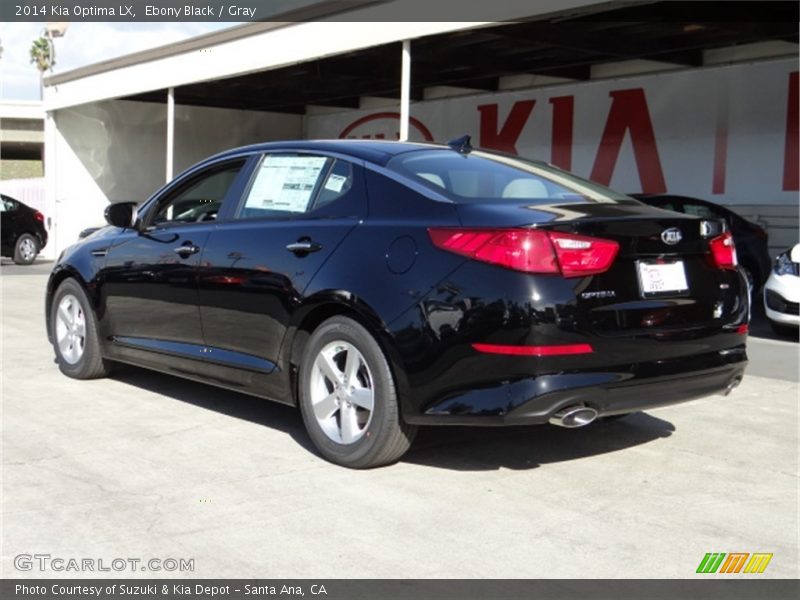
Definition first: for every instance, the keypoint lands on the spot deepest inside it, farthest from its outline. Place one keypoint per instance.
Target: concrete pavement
(143, 465)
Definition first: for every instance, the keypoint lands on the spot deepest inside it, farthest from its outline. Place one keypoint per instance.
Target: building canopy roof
(475, 56)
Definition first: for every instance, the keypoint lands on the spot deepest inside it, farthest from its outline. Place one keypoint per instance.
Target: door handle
(303, 246)
(186, 249)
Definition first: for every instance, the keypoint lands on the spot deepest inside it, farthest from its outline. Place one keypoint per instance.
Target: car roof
(375, 151)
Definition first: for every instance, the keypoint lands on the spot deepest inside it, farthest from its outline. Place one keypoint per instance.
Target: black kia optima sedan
(383, 285)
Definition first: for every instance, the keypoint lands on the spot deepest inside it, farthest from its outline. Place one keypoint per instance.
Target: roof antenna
(461, 145)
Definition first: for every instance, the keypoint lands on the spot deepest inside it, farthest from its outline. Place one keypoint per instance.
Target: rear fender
(329, 303)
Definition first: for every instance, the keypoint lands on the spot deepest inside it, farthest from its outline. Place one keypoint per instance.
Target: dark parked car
(385, 285)
(750, 239)
(23, 232)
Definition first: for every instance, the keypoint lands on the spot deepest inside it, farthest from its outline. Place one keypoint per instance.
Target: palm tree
(43, 57)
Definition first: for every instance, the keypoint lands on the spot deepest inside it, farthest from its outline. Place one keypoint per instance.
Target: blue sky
(84, 43)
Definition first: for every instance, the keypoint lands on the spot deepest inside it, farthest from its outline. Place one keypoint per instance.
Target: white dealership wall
(114, 151)
(88, 134)
(728, 122)
(718, 133)
(100, 149)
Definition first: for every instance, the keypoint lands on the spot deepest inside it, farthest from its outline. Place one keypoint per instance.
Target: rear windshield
(482, 176)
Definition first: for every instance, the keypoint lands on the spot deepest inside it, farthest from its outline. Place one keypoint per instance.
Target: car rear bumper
(535, 400)
(782, 318)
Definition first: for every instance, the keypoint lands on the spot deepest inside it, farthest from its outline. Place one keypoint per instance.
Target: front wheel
(348, 398)
(74, 332)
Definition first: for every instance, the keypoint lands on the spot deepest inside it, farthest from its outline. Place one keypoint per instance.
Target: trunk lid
(663, 279)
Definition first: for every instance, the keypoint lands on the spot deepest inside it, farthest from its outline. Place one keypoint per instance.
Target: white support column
(50, 185)
(405, 90)
(170, 131)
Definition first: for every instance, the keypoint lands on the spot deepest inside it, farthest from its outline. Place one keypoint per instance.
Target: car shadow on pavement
(530, 447)
(455, 448)
(233, 404)
(40, 266)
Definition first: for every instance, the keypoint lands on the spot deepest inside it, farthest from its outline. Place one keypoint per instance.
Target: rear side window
(481, 177)
(337, 183)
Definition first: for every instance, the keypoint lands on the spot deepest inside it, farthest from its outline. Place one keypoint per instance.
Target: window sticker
(285, 183)
(335, 182)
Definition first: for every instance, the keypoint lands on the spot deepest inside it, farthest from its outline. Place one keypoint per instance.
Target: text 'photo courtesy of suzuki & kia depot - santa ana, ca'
(380, 286)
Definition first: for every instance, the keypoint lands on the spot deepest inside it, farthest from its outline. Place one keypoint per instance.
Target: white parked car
(782, 292)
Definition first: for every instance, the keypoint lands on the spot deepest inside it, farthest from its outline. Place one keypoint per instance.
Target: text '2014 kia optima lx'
(385, 285)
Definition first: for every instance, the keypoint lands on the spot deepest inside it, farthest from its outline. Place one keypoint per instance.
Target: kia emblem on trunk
(671, 236)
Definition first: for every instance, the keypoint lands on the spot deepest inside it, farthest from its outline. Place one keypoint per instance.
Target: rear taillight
(579, 255)
(723, 251)
(38, 216)
(530, 250)
(527, 250)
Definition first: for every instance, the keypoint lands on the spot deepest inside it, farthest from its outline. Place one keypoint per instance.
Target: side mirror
(121, 214)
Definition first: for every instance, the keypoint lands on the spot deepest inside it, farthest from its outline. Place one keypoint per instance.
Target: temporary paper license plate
(661, 279)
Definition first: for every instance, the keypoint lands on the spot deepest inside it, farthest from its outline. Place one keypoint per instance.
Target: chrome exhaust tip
(574, 416)
(734, 383)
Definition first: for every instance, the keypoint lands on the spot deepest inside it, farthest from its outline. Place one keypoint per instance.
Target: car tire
(348, 398)
(74, 333)
(26, 249)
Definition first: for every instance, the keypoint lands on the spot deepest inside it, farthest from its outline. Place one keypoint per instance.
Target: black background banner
(136, 11)
(239, 11)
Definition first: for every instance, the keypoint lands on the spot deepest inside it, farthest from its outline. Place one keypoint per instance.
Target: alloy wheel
(70, 329)
(342, 392)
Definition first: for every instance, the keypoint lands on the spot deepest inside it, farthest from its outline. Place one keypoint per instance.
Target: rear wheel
(26, 249)
(74, 330)
(348, 398)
